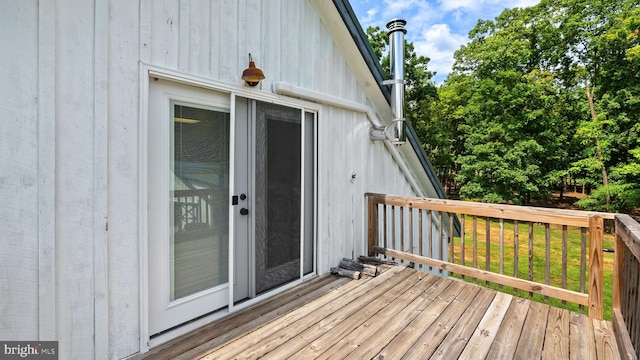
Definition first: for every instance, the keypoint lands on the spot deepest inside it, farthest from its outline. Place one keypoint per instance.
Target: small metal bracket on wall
(390, 132)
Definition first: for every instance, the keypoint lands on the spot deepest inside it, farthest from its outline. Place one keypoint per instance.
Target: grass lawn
(539, 250)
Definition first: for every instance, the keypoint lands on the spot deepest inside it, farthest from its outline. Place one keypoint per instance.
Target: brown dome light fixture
(252, 75)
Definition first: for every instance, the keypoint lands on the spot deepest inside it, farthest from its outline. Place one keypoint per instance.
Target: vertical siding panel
(246, 20)
(18, 171)
(228, 26)
(214, 53)
(251, 40)
(351, 143)
(326, 247)
(358, 189)
(74, 191)
(200, 37)
(323, 60)
(272, 43)
(366, 179)
(322, 198)
(123, 106)
(146, 20)
(165, 34)
(291, 43)
(340, 198)
(345, 168)
(46, 171)
(309, 43)
(100, 179)
(337, 84)
(184, 45)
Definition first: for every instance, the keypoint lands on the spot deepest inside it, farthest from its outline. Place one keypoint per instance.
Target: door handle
(244, 211)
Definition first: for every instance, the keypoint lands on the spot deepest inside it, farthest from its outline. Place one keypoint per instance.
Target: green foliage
(623, 191)
(419, 88)
(524, 117)
(538, 95)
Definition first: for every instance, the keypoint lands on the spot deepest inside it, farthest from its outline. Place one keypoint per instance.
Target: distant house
(148, 189)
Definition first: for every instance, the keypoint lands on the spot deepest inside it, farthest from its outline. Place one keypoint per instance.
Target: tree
(553, 92)
(615, 103)
(513, 132)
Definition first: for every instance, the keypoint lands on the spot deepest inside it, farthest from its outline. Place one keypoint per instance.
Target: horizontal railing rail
(626, 284)
(195, 208)
(422, 231)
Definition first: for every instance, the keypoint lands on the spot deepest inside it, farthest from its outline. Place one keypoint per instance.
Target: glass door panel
(200, 191)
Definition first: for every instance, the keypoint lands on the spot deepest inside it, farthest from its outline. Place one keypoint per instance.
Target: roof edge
(360, 38)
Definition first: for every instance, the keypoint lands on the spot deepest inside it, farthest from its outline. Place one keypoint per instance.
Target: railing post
(626, 317)
(618, 262)
(596, 275)
(372, 226)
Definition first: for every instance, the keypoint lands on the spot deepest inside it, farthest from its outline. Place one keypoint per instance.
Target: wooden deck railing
(410, 229)
(626, 283)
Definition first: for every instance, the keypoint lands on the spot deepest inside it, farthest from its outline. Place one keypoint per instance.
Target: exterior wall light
(252, 75)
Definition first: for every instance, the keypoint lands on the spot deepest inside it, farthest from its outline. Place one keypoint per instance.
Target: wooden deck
(401, 313)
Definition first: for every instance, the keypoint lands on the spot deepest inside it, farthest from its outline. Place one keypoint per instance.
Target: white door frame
(168, 313)
(147, 72)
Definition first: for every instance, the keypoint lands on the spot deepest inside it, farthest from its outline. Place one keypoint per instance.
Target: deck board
(405, 339)
(345, 342)
(477, 346)
(429, 341)
(582, 343)
(605, 340)
(456, 340)
(366, 347)
(505, 343)
(302, 317)
(402, 313)
(556, 342)
(530, 345)
(321, 336)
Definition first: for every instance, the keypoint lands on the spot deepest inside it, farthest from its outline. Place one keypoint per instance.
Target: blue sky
(436, 28)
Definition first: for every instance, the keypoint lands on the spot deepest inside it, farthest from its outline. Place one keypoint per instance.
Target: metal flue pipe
(396, 32)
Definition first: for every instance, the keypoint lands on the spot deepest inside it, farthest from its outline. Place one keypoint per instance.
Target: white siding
(290, 43)
(70, 93)
(19, 170)
(125, 50)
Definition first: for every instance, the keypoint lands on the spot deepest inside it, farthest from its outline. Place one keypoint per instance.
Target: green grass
(539, 250)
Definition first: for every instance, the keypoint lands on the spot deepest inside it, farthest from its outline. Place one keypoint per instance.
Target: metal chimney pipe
(396, 32)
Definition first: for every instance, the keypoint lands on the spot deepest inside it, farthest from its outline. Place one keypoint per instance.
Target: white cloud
(439, 43)
(370, 18)
(449, 5)
(437, 28)
(483, 6)
(395, 7)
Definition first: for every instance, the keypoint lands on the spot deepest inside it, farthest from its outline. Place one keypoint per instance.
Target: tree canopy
(537, 96)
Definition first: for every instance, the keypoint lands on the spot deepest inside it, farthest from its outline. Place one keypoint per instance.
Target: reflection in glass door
(200, 188)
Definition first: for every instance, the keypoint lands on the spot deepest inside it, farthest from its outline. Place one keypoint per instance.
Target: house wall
(19, 180)
(69, 147)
